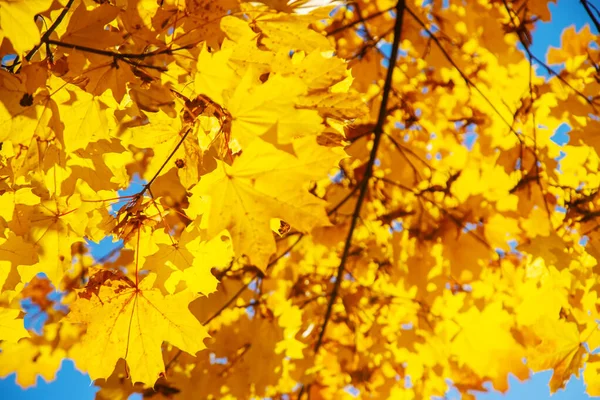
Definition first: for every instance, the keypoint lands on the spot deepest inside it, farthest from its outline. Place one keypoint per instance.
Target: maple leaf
(263, 183)
(190, 261)
(131, 322)
(164, 136)
(30, 359)
(55, 226)
(257, 108)
(17, 22)
(25, 112)
(11, 327)
(335, 105)
(85, 119)
(214, 75)
(560, 349)
(113, 76)
(574, 44)
(10, 199)
(453, 241)
(591, 375)
(490, 330)
(287, 31)
(14, 252)
(86, 26)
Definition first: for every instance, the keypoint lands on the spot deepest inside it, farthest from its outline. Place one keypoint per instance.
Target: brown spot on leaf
(99, 278)
(284, 227)
(26, 100)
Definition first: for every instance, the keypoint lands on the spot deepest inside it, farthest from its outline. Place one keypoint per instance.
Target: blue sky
(79, 386)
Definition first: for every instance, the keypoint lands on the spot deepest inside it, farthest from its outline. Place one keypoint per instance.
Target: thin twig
(52, 28)
(151, 181)
(237, 294)
(585, 5)
(344, 200)
(359, 21)
(114, 54)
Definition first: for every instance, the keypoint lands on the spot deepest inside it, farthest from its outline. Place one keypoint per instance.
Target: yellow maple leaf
(561, 349)
(489, 332)
(163, 135)
(14, 252)
(573, 44)
(214, 74)
(188, 261)
(24, 112)
(113, 76)
(30, 359)
(84, 118)
(11, 327)
(17, 22)
(54, 226)
(87, 26)
(316, 70)
(287, 31)
(290, 320)
(336, 105)
(255, 109)
(591, 375)
(263, 183)
(131, 322)
(10, 199)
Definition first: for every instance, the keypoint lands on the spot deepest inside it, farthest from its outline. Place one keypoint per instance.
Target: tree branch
(47, 34)
(585, 5)
(114, 54)
(378, 132)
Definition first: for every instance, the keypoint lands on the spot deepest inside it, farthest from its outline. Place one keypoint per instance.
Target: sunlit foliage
(306, 199)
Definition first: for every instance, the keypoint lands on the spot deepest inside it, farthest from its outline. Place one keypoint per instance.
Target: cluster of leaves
(358, 195)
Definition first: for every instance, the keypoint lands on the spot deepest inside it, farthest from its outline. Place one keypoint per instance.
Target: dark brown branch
(114, 54)
(137, 65)
(378, 132)
(585, 5)
(52, 28)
